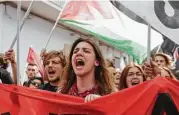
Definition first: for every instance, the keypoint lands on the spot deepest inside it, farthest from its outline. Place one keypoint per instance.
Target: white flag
(162, 15)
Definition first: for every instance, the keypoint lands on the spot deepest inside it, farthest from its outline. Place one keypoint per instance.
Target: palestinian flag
(109, 25)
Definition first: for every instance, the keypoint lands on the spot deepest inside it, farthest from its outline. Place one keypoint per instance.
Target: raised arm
(10, 56)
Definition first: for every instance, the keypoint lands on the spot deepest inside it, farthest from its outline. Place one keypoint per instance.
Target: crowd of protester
(85, 72)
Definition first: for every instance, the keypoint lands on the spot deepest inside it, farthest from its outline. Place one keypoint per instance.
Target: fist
(9, 56)
(91, 97)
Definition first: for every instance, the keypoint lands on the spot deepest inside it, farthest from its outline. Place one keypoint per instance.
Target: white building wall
(1, 24)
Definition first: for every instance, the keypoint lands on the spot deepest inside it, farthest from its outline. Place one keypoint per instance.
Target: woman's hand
(91, 97)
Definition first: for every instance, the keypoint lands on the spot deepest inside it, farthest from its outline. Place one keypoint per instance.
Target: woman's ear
(96, 63)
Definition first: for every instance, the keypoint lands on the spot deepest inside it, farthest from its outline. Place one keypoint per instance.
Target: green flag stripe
(137, 51)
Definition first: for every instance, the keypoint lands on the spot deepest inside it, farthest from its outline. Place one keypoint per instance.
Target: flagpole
(148, 43)
(25, 75)
(22, 23)
(18, 36)
(56, 22)
(158, 49)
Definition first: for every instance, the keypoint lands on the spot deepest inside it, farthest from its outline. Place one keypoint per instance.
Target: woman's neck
(85, 82)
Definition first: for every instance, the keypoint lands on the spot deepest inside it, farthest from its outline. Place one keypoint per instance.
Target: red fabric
(87, 10)
(138, 100)
(33, 58)
(74, 91)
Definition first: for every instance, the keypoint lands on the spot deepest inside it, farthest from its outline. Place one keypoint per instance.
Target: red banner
(138, 100)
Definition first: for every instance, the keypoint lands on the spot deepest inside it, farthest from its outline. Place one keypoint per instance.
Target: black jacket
(5, 76)
(49, 87)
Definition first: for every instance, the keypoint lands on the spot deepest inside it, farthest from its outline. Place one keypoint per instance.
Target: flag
(175, 54)
(161, 15)
(128, 12)
(33, 58)
(86, 10)
(118, 30)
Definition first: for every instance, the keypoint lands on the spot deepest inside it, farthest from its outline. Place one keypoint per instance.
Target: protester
(117, 77)
(35, 82)
(9, 57)
(87, 75)
(162, 60)
(161, 72)
(31, 72)
(159, 67)
(4, 74)
(131, 75)
(54, 64)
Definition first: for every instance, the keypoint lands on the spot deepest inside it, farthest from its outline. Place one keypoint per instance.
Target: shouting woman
(87, 76)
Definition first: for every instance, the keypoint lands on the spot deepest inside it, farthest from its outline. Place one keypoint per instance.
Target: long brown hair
(102, 76)
(124, 73)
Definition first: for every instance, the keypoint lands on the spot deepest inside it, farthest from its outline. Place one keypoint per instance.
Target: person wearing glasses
(131, 75)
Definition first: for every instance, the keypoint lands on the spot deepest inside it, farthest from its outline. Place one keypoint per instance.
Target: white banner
(162, 15)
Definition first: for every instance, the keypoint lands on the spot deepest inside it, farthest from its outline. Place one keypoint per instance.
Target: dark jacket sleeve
(44, 86)
(5, 76)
